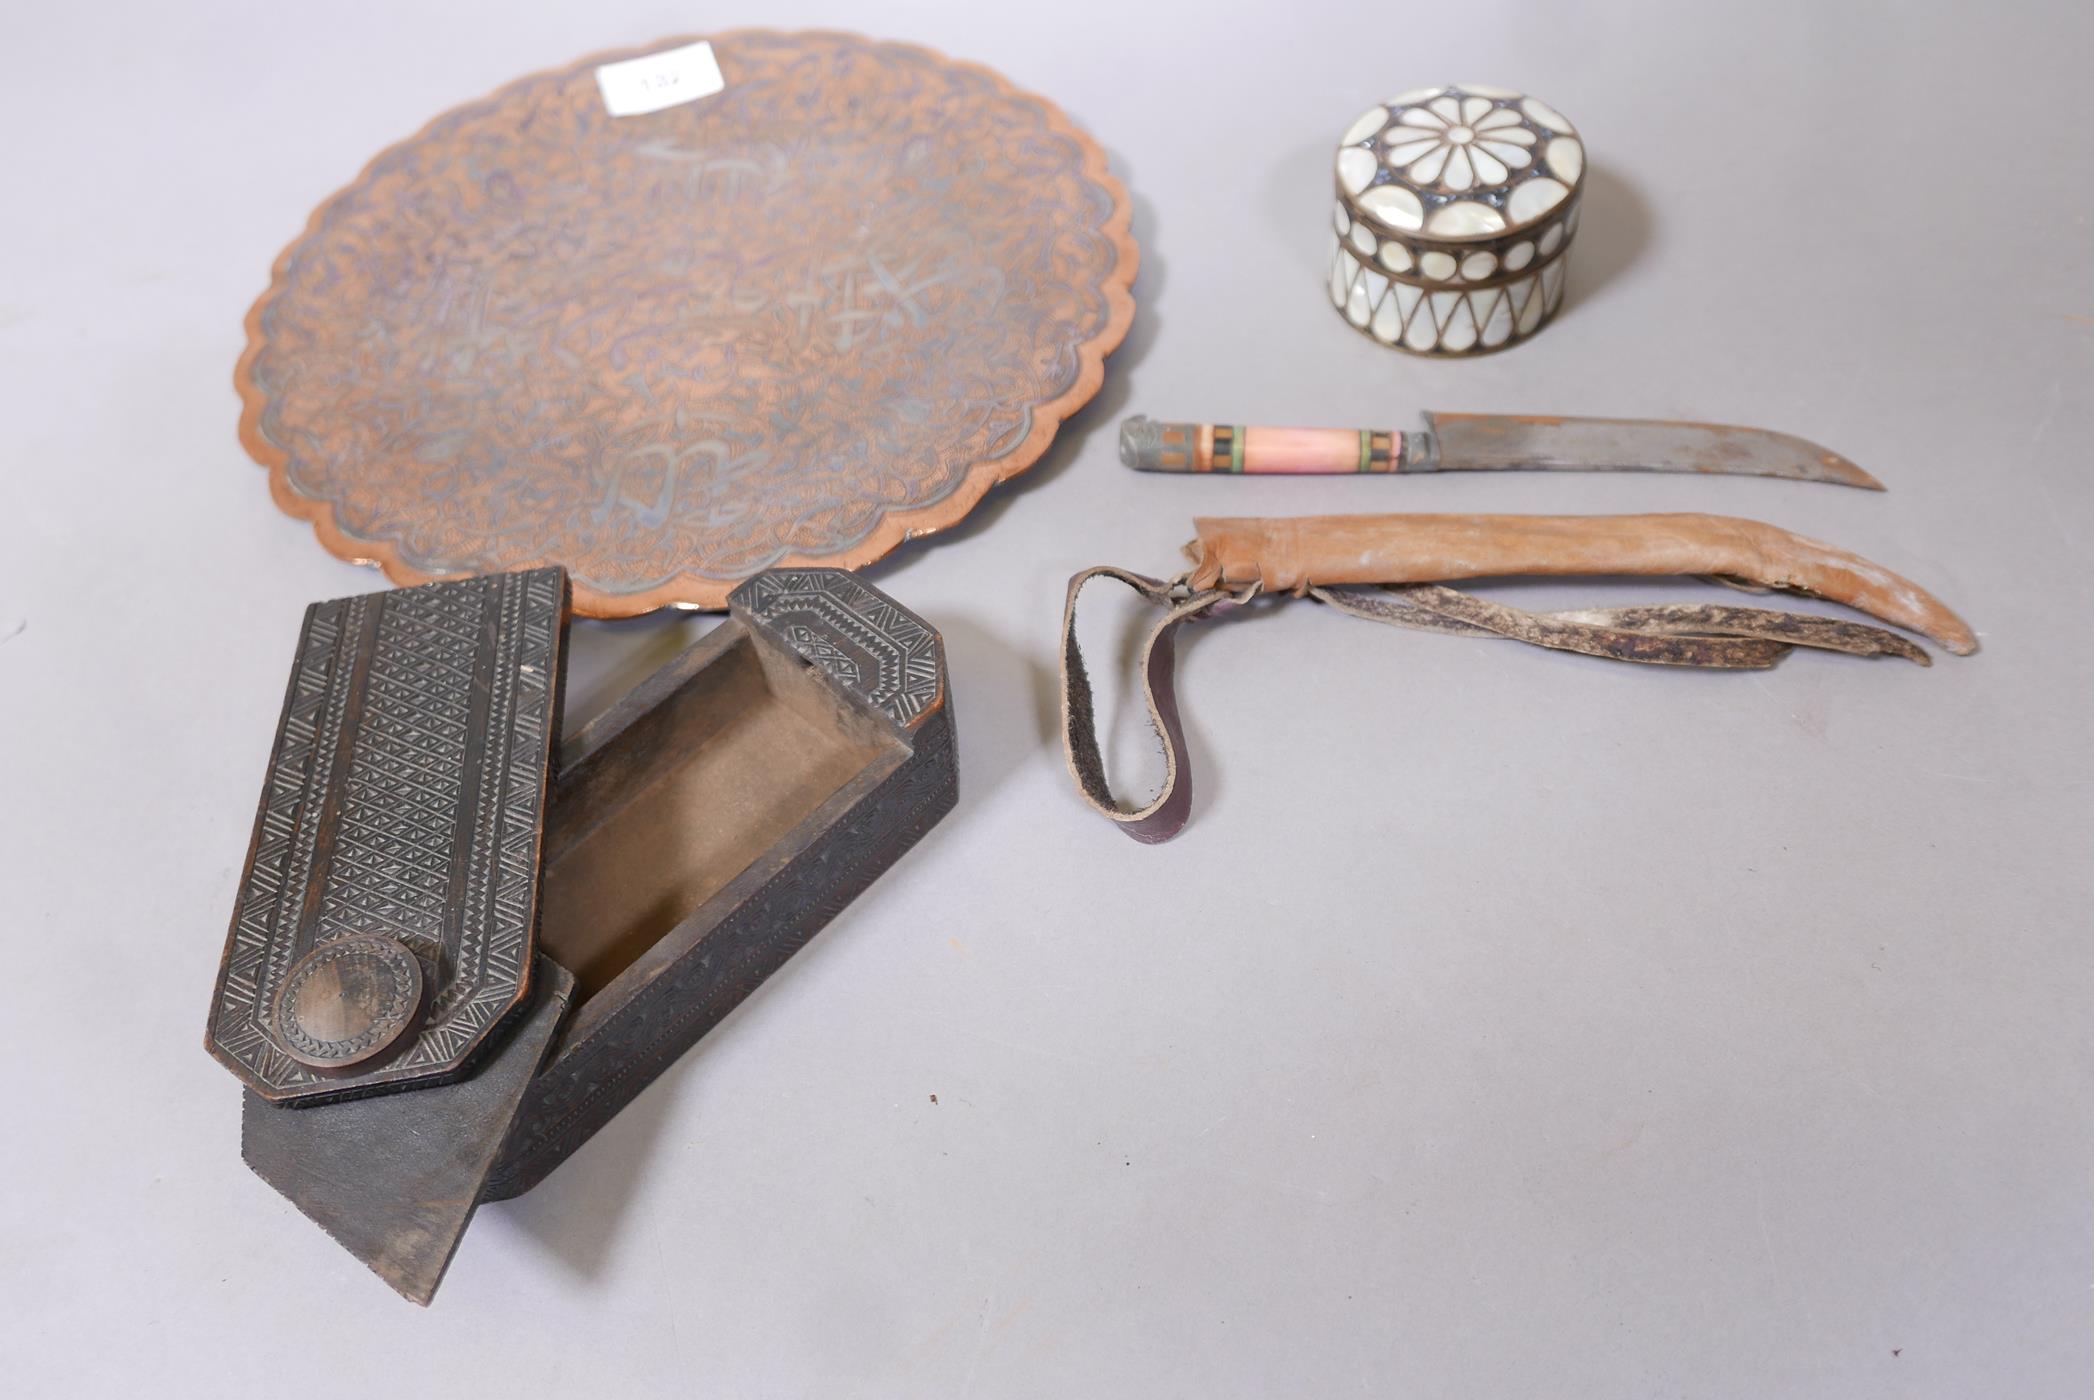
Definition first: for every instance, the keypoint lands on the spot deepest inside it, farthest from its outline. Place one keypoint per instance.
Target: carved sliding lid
(1456, 208)
(386, 919)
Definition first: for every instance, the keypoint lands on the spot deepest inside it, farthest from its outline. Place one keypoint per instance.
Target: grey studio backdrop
(1506, 1024)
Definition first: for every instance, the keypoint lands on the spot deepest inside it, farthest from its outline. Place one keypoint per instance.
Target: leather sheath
(1291, 555)
(1386, 568)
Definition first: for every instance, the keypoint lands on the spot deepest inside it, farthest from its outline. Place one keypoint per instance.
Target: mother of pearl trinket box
(1455, 214)
(462, 944)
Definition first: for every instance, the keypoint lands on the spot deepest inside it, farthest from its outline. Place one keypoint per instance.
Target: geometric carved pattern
(405, 797)
(872, 645)
(348, 1000)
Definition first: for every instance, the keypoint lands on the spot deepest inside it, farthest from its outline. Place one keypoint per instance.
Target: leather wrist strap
(1164, 815)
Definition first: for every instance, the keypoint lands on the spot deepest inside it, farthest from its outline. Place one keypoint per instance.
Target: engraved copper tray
(795, 322)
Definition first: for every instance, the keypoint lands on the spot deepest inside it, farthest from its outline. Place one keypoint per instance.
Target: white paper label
(660, 80)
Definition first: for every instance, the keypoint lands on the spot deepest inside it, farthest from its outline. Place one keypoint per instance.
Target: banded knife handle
(1149, 446)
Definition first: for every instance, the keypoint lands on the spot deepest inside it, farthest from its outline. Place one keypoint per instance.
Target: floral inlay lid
(1454, 163)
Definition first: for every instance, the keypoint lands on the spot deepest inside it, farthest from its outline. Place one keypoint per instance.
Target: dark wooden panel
(394, 1180)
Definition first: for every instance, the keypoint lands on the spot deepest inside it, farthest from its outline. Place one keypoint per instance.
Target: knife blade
(1471, 442)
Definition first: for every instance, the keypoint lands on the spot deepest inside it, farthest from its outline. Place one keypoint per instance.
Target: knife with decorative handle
(1483, 442)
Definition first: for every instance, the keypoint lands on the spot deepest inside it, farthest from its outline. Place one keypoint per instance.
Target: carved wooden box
(461, 946)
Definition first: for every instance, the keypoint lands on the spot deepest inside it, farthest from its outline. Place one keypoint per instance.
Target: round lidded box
(1456, 209)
